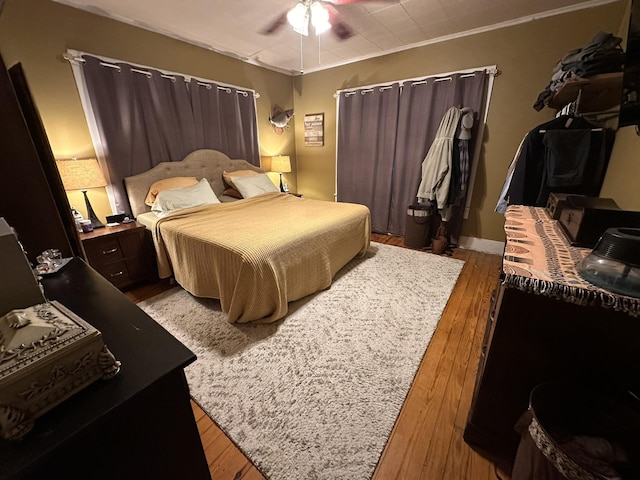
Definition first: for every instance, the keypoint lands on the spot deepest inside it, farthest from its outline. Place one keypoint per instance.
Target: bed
(254, 254)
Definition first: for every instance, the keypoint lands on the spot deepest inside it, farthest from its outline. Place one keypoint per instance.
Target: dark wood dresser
(546, 324)
(138, 424)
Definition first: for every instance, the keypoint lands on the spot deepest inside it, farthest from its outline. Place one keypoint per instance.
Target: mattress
(258, 254)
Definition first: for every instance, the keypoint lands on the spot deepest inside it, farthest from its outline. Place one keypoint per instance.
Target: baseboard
(481, 245)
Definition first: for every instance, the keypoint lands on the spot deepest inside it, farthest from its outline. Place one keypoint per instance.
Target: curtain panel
(420, 106)
(367, 142)
(225, 117)
(145, 117)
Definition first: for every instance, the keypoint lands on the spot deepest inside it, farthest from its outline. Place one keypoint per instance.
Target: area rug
(316, 394)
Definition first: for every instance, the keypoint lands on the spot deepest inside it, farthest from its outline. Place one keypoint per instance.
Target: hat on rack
(466, 123)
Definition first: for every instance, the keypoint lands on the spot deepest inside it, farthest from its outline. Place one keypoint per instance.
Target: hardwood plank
(409, 443)
(211, 434)
(198, 413)
(215, 452)
(447, 391)
(251, 474)
(203, 424)
(461, 461)
(445, 423)
(426, 441)
(231, 463)
(145, 292)
(480, 320)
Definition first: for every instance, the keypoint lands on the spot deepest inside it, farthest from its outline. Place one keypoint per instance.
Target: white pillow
(253, 185)
(174, 199)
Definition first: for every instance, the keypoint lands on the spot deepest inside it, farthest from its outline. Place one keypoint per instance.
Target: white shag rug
(316, 394)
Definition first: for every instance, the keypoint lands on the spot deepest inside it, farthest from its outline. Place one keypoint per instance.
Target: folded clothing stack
(603, 54)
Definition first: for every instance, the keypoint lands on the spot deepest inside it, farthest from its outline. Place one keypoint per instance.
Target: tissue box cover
(47, 353)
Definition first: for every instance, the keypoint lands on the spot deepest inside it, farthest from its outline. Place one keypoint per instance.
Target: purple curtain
(225, 119)
(146, 117)
(420, 108)
(368, 120)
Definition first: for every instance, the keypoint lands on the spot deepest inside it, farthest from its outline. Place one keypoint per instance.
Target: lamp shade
(81, 174)
(281, 163)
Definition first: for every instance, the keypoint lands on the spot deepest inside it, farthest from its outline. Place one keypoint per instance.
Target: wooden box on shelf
(123, 254)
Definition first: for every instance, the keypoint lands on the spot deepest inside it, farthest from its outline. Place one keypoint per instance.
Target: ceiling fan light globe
(318, 13)
(319, 17)
(321, 27)
(304, 30)
(298, 18)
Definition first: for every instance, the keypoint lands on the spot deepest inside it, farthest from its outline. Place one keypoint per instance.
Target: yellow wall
(623, 172)
(37, 32)
(622, 182)
(525, 55)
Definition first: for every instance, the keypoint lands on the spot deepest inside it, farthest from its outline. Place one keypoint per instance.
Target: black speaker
(116, 218)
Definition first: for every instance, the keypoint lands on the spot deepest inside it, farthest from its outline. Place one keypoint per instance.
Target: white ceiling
(232, 27)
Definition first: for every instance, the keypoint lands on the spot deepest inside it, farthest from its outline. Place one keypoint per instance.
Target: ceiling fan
(320, 13)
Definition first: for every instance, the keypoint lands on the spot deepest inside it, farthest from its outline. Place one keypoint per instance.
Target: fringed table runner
(538, 258)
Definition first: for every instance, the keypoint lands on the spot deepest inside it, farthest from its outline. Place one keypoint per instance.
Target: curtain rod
(490, 70)
(77, 58)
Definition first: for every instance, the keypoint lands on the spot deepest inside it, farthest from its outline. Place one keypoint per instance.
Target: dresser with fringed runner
(546, 324)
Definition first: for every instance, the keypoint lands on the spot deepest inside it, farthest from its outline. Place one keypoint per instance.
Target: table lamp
(281, 164)
(82, 175)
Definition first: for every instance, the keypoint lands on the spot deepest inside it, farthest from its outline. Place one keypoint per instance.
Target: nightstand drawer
(103, 251)
(117, 273)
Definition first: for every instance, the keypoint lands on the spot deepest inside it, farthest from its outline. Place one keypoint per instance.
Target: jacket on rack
(571, 159)
(438, 164)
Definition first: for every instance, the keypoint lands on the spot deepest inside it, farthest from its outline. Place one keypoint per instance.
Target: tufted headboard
(207, 164)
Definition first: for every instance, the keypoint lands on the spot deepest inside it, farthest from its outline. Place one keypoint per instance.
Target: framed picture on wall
(314, 129)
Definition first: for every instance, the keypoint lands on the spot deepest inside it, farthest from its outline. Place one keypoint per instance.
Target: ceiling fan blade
(339, 28)
(275, 25)
(347, 2)
(342, 30)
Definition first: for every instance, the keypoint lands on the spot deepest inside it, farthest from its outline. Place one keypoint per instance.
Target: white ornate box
(47, 353)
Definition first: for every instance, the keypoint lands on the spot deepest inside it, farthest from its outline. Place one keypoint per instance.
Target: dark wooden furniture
(32, 199)
(532, 339)
(139, 424)
(123, 254)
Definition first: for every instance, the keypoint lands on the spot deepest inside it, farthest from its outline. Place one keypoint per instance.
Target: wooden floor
(426, 442)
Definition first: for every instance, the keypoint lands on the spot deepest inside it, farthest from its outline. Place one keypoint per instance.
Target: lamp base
(281, 184)
(95, 222)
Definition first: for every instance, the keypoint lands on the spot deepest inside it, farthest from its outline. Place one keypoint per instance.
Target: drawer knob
(109, 252)
(117, 274)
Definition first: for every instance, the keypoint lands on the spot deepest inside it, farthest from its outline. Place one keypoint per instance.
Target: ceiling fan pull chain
(301, 57)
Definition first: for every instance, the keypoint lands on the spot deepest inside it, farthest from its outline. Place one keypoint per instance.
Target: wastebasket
(416, 232)
(570, 432)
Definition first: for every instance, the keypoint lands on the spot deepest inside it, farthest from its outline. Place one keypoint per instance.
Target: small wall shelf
(597, 94)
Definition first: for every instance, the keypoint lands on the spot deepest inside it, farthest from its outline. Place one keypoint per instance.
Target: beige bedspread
(258, 254)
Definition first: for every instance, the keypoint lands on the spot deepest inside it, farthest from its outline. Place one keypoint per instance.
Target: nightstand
(123, 254)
